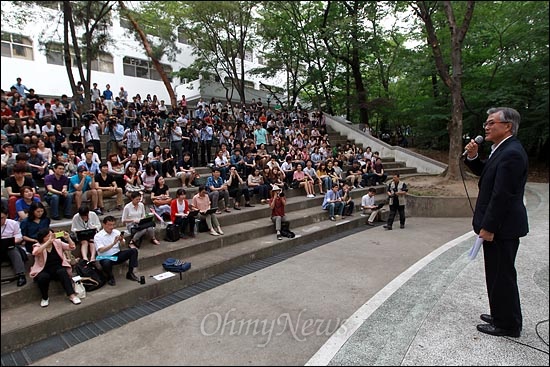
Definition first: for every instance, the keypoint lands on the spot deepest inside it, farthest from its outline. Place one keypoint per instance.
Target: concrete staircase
(249, 236)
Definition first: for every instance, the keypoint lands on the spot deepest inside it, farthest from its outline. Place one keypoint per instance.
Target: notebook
(193, 213)
(211, 211)
(86, 234)
(145, 221)
(8, 243)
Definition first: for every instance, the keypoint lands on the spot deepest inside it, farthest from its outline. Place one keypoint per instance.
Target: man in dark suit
(500, 217)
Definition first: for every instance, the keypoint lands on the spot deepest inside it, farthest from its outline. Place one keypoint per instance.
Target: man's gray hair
(507, 114)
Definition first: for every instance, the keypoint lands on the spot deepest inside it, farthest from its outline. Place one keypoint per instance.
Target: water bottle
(196, 228)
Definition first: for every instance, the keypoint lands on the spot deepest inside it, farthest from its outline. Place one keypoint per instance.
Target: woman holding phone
(50, 264)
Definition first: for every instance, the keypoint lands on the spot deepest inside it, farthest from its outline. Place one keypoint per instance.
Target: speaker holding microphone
(479, 139)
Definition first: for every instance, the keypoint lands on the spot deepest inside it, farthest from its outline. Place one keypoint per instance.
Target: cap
(82, 169)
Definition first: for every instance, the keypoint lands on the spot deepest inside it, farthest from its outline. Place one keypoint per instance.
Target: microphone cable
(538, 334)
(464, 183)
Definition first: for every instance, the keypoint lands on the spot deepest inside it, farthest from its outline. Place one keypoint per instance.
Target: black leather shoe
(388, 227)
(402, 226)
(487, 318)
(496, 331)
(132, 276)
(21, 281)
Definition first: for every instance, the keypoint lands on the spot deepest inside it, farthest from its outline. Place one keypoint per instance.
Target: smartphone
(59, 234)
(122, 233)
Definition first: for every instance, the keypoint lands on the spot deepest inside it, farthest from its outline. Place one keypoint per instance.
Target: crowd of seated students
(258, 152)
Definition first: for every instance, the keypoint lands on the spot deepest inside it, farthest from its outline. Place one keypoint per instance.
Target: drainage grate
(54, 344)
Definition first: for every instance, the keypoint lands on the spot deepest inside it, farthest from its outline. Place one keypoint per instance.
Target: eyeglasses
(490, 123)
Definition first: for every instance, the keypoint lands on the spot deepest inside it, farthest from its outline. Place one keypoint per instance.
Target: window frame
(7, 40)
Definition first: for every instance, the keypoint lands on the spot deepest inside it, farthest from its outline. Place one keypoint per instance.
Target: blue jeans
(53, 201)
(331, 207)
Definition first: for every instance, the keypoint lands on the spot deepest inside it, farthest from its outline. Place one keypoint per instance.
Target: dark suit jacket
(499, 206)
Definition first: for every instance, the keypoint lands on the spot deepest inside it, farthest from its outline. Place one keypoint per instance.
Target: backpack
(175, 265)
(172, 232)
(285, 230)
(92, 278)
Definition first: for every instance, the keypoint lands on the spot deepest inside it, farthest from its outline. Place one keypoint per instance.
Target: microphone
(478, 140)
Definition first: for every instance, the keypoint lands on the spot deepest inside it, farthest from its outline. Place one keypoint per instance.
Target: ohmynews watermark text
(299, 327)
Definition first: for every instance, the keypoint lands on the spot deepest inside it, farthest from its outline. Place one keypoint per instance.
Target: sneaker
(310, 196)
(387, 227)
(45, 302)
(214, 233)
(76, 301)
(279, 237)
(332, 219)
(219, 230)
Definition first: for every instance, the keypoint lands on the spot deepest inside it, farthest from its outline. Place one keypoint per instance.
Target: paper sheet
(475, 248)
(164, 275)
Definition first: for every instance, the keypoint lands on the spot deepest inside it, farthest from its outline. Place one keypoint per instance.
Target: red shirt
(278, 209)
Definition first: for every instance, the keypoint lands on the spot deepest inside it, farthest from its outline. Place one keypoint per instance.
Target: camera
(281, 194)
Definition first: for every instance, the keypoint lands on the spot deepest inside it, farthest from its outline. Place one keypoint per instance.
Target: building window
(249, 84)
(260, 60)
(55, 5)
(125, 22)
(143, 69)
(54, 55)
(181, 37)
(17, 46)
(104, 63)
(248, 55)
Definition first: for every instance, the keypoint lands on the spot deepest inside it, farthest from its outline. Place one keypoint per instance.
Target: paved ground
(401, 297)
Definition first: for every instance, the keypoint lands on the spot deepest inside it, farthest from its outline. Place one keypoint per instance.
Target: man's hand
(487, 236)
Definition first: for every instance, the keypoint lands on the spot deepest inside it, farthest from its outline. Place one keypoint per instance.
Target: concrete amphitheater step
(238, 227)
(37, 324)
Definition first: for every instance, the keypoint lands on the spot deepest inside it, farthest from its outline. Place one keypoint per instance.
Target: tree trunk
(149, 51)
(452, 81)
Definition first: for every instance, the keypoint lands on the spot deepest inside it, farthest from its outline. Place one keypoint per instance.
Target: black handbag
(172, 232)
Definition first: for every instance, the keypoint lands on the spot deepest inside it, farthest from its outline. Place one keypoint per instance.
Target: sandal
(132, 243)
(156, 242)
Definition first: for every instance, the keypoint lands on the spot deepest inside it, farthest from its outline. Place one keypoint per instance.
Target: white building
(122, 64)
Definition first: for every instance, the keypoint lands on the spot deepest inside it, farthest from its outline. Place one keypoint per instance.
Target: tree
(164, 34)
(293, 31)
(222, 35)
(84, 32)
(452, 79)
(344, 39)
